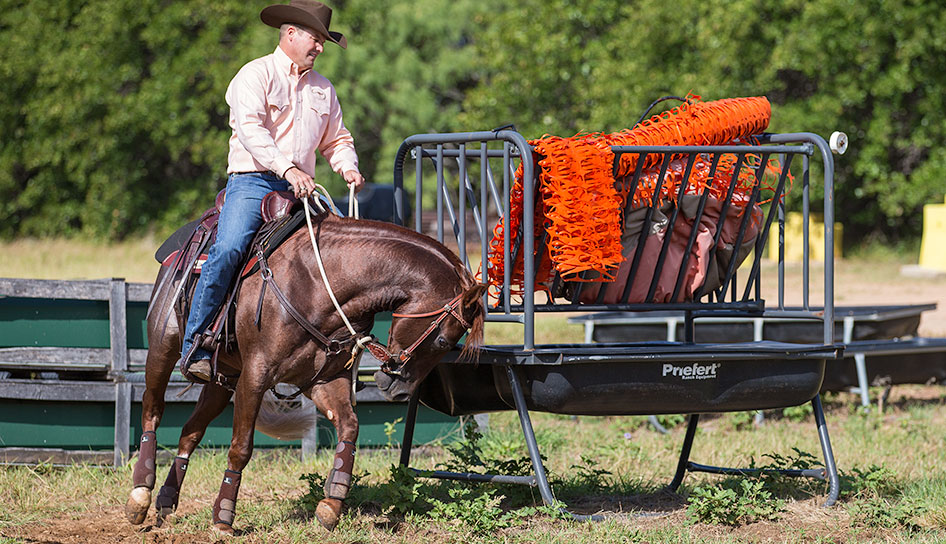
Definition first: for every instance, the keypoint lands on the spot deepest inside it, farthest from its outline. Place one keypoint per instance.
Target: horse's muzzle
(393, 389)
(382, 380)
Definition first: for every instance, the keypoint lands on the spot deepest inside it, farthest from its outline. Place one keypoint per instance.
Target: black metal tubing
(815, 473)
(477, 477)
(645, 231)
(543, 483)
(694, 420)
(829, 472)
(668, 237)
(722, 218)
(834, 482)
(701, 208)
(753, 306)
(743, 226)
(409, 422)
(764, 233)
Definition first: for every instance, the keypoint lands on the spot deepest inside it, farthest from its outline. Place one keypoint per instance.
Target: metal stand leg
(544, 489)
(656, 425)
(409, 422)
(694, 420)
(860, 364)
(541, 480)
(831, 470)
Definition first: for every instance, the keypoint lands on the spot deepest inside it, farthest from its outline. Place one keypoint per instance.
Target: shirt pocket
(317, 101)
(277, 104)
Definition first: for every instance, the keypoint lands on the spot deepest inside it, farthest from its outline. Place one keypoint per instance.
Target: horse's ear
(473, 294)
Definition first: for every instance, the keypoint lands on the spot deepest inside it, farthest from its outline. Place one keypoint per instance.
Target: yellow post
(794, 238)
(933, 245)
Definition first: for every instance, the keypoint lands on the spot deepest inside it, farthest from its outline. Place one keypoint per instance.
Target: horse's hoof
(162, 516)
(327, 512)
(223, 529)
(166, 503)
(136, 509)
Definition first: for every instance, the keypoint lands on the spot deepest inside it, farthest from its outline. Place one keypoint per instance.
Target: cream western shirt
(280, 118)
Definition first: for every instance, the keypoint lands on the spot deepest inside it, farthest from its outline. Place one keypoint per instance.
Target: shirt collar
(284, 63)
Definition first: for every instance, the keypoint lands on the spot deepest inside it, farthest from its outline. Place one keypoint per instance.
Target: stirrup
(197, 371)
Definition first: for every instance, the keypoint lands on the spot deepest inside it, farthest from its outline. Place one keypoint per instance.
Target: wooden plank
(60, 457)
(70, 289)
(55, 289)
(122, 423)
(51, 358)
(48, 358)
(139, 292)
(87, 391)
(137, 358)
(57, 390)
(104, 391)
(118, 325)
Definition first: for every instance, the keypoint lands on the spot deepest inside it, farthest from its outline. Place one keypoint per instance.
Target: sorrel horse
(372, 267)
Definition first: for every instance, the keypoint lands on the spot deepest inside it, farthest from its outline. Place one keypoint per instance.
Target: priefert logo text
(695, 371)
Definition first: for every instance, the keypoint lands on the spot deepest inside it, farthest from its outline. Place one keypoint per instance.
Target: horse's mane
(388, 234)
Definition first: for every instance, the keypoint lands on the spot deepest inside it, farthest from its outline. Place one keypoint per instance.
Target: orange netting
(580, 206)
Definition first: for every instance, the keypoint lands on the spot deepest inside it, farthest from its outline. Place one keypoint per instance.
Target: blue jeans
(239, 220)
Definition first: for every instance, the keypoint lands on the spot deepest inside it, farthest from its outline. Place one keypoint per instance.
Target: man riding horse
(288, 325)
(281, 112)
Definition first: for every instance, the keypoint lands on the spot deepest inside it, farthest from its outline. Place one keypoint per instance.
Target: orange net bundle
(699, 180)
(579, 204)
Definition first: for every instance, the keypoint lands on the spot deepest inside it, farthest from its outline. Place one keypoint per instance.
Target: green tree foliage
(115, 112)
(874, 69)
(404, 72)
(114, 119)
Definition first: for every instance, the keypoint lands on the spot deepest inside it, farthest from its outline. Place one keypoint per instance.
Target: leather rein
(390, 364)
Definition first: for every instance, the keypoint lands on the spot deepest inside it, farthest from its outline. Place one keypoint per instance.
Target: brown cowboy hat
(309, 13)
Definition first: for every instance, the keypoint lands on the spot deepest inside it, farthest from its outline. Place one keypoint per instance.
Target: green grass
(893, 467)
(893, 464)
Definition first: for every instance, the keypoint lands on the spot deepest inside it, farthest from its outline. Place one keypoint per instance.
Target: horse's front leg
(246, 404)
(211, 403)
(334, 400)
(158, 368)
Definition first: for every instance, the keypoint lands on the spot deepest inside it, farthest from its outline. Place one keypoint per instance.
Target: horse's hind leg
(160, 364)
(212, 401)
(334, 400)
(249, 396)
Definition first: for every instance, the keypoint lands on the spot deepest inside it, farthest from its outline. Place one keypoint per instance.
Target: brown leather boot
(198, 371)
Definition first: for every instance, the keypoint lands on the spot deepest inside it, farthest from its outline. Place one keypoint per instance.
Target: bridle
(394, 365)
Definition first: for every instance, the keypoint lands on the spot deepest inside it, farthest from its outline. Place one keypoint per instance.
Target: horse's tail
(283, 419)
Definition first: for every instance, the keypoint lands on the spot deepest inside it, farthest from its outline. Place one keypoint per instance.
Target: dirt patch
(651, 513)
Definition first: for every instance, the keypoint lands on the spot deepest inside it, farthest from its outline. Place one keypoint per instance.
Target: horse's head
(418, 341)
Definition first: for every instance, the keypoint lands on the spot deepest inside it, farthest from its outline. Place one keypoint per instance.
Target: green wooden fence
(72, 355)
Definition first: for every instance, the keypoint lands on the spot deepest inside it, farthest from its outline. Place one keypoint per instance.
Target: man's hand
(302, 184)
(354, 179)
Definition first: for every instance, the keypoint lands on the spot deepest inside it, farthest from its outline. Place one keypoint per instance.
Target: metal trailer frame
(517, 361)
